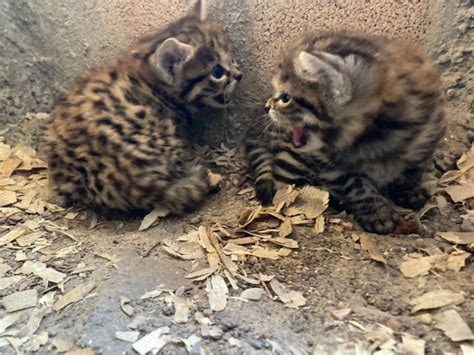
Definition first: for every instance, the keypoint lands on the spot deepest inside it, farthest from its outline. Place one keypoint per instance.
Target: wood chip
(451, 323)
(457, 261)
(285, 197)
(459, 193)
(4, 268)
(217, 292)
(39, 269)
(11, 319)
(412, 345)
(461, 238)
(436, 299)
(312, 201)
(285, 229)
(260, 252)
(10, 165)
(340, 314)
(181, 306)
(153, 342)
(13, 235)
(7, 198)
(30, 238)
(20, 300)
(76, 294)
(125, 306)
(366, 243)
(127, 336)
(61, 345)
(467, 349)
(6, 282)
(81, 351)
(420, 267)
(319, 225)
(291, 298)
(253, 294)
(153, 217)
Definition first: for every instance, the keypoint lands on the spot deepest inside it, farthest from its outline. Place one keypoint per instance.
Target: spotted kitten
(120, 137)
(357, 114)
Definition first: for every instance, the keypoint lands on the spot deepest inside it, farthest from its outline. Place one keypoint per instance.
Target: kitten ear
(199, 10)
(327, 69)
(170, 58)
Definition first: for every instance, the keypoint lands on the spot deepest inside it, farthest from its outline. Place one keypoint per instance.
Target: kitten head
(195, 61)
(311, 89)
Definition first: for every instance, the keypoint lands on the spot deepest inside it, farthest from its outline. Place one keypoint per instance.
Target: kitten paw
(381, 222)
(265, 191)
(214, 180)
(413, 199)
(60, 200)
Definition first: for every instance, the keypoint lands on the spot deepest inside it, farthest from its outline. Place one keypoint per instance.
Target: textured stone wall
(45, 44)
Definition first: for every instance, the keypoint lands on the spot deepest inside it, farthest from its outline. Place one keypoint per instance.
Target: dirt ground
(331, 269)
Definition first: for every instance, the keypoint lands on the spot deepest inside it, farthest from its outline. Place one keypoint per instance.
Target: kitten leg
(265, 190)
(360, 197)
(186, 193)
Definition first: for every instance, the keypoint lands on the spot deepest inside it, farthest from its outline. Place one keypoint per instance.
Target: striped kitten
(356, 114)
(120, 137)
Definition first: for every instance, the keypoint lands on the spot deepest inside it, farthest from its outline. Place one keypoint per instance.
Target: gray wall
(46, 43)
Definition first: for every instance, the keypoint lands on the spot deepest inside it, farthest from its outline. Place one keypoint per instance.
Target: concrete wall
(46, 43)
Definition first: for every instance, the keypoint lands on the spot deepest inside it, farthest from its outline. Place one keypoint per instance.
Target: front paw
(265, 190)
(382, 221)
(413, 199)
(214, 181)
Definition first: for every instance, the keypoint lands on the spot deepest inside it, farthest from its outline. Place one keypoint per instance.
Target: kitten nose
(268, 105)
(238, 77)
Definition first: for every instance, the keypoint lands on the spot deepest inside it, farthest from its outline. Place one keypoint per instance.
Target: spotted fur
(359, 115)
(119, 139)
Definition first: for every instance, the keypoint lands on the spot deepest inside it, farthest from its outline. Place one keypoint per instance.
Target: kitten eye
(218, 71)
(285, 98)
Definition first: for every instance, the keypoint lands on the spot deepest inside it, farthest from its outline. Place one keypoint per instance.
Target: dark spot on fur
(136, 126)
(141, 114)
(100, 90)
(113, 98)
(130, 97)
(134, 80)
(139, 162)
(82, 171)
(71, 154)
(99, 105)
(103, 140)
(106, 121)
(131, 141)
(58, 176)
(113, 75)
(70, 179)
(99, 186)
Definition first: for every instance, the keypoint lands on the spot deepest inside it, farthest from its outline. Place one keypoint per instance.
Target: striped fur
(119, 139)
(356, 114)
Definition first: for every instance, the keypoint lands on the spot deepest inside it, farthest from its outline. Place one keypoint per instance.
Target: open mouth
(300, 137)
(222, 99)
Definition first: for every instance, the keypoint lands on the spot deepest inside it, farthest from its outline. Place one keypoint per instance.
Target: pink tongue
(299, 136)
